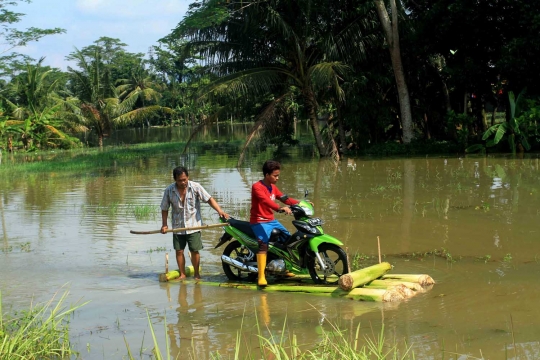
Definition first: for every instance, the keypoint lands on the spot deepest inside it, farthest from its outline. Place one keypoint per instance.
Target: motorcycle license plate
(315, 222)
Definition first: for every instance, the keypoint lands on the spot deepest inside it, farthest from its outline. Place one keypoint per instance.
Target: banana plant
(511, 129)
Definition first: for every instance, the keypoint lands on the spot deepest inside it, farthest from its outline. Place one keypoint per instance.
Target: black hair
(177, 171)
(270, 166)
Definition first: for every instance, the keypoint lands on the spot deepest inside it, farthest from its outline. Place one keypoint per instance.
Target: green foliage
(12, 36)
(37, 119)
(459, 125)
(42, 332)
(485, 258)
(514, 129)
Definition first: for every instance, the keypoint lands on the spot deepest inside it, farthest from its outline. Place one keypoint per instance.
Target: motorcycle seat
(243, 226)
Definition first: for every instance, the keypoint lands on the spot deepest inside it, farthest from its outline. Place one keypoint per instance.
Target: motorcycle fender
(318, 240)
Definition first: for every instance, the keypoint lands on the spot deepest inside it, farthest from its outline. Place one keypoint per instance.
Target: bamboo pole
(179, 229)
(360, 277)
(421, 279)
(166, 263)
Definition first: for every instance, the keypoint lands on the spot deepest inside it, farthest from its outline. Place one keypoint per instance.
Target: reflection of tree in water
(188, 335)
(4, 230)
(408, 203)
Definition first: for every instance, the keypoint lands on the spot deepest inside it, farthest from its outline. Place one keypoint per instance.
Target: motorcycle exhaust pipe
(238, 264)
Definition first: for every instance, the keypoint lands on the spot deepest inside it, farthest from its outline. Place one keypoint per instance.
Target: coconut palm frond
(252, 82)
(55, 131)
(264, 119)
(324, 75)
(139, 114)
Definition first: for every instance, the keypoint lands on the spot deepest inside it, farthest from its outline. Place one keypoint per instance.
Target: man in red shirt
(263, 195)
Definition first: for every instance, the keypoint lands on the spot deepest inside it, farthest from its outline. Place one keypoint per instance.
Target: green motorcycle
(308, 251)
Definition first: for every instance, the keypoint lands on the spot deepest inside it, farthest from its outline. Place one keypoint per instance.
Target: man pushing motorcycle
(263, 194)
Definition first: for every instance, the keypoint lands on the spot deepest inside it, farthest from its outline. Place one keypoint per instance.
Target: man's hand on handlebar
(285, 209)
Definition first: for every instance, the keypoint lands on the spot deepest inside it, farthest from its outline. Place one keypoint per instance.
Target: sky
(137, 23)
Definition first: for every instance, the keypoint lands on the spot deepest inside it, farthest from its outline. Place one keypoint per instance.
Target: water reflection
(480, 214)
(188, 336)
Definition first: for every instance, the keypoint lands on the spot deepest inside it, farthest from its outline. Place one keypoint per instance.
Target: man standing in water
(263, 194)
(185, 197)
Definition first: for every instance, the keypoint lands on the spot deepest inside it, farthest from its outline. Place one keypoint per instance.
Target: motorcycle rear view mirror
(306, 193)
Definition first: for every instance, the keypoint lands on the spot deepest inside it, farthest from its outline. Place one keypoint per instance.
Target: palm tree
(274, 49)
(141, 85)
(98, 106)
(37, 119)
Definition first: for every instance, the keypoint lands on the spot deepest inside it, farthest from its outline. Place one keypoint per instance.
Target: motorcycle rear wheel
(237, 251)
(335, 260)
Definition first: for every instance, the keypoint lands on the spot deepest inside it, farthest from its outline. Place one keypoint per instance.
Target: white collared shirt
(187, 214)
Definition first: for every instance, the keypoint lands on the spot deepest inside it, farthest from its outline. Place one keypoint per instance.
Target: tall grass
(39, 333)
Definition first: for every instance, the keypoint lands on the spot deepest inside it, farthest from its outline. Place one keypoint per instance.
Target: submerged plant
(143, 211)
(484, 258)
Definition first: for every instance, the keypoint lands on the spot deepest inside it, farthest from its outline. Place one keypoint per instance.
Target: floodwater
(472, 223)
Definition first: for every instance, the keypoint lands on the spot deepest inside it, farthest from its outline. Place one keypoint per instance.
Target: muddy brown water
(472, 223)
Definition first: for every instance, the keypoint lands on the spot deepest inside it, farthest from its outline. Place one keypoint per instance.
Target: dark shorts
(193, 241)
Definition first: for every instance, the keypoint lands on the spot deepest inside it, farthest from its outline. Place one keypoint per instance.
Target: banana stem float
(363, 276)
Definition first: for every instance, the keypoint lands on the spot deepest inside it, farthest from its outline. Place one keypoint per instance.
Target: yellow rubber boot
(261, 265)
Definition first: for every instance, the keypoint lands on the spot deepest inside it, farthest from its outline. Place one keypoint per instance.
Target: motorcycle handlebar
(282, 211)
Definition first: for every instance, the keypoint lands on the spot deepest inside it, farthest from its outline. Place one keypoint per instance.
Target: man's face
(273, 177)
(181, 181)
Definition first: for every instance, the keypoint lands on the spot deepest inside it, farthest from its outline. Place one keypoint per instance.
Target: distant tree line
(363, 73)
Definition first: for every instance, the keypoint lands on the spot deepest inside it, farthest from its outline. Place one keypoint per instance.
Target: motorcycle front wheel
(335, 261)
(238, 252)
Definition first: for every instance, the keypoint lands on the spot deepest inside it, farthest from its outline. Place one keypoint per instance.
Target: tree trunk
(446, 95)
(311, 107)
(100, 141)
(341, 131)
(426, 127)
(391, 32)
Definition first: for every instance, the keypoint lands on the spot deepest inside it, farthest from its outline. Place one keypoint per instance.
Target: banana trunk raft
(368, 284)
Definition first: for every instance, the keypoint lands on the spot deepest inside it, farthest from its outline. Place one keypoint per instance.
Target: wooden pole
(179, 229)
(348, 261)
(379, 246)
(166, 263)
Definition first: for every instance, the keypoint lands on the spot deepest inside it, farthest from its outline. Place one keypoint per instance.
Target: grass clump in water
(42, 332)
(143, 211)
